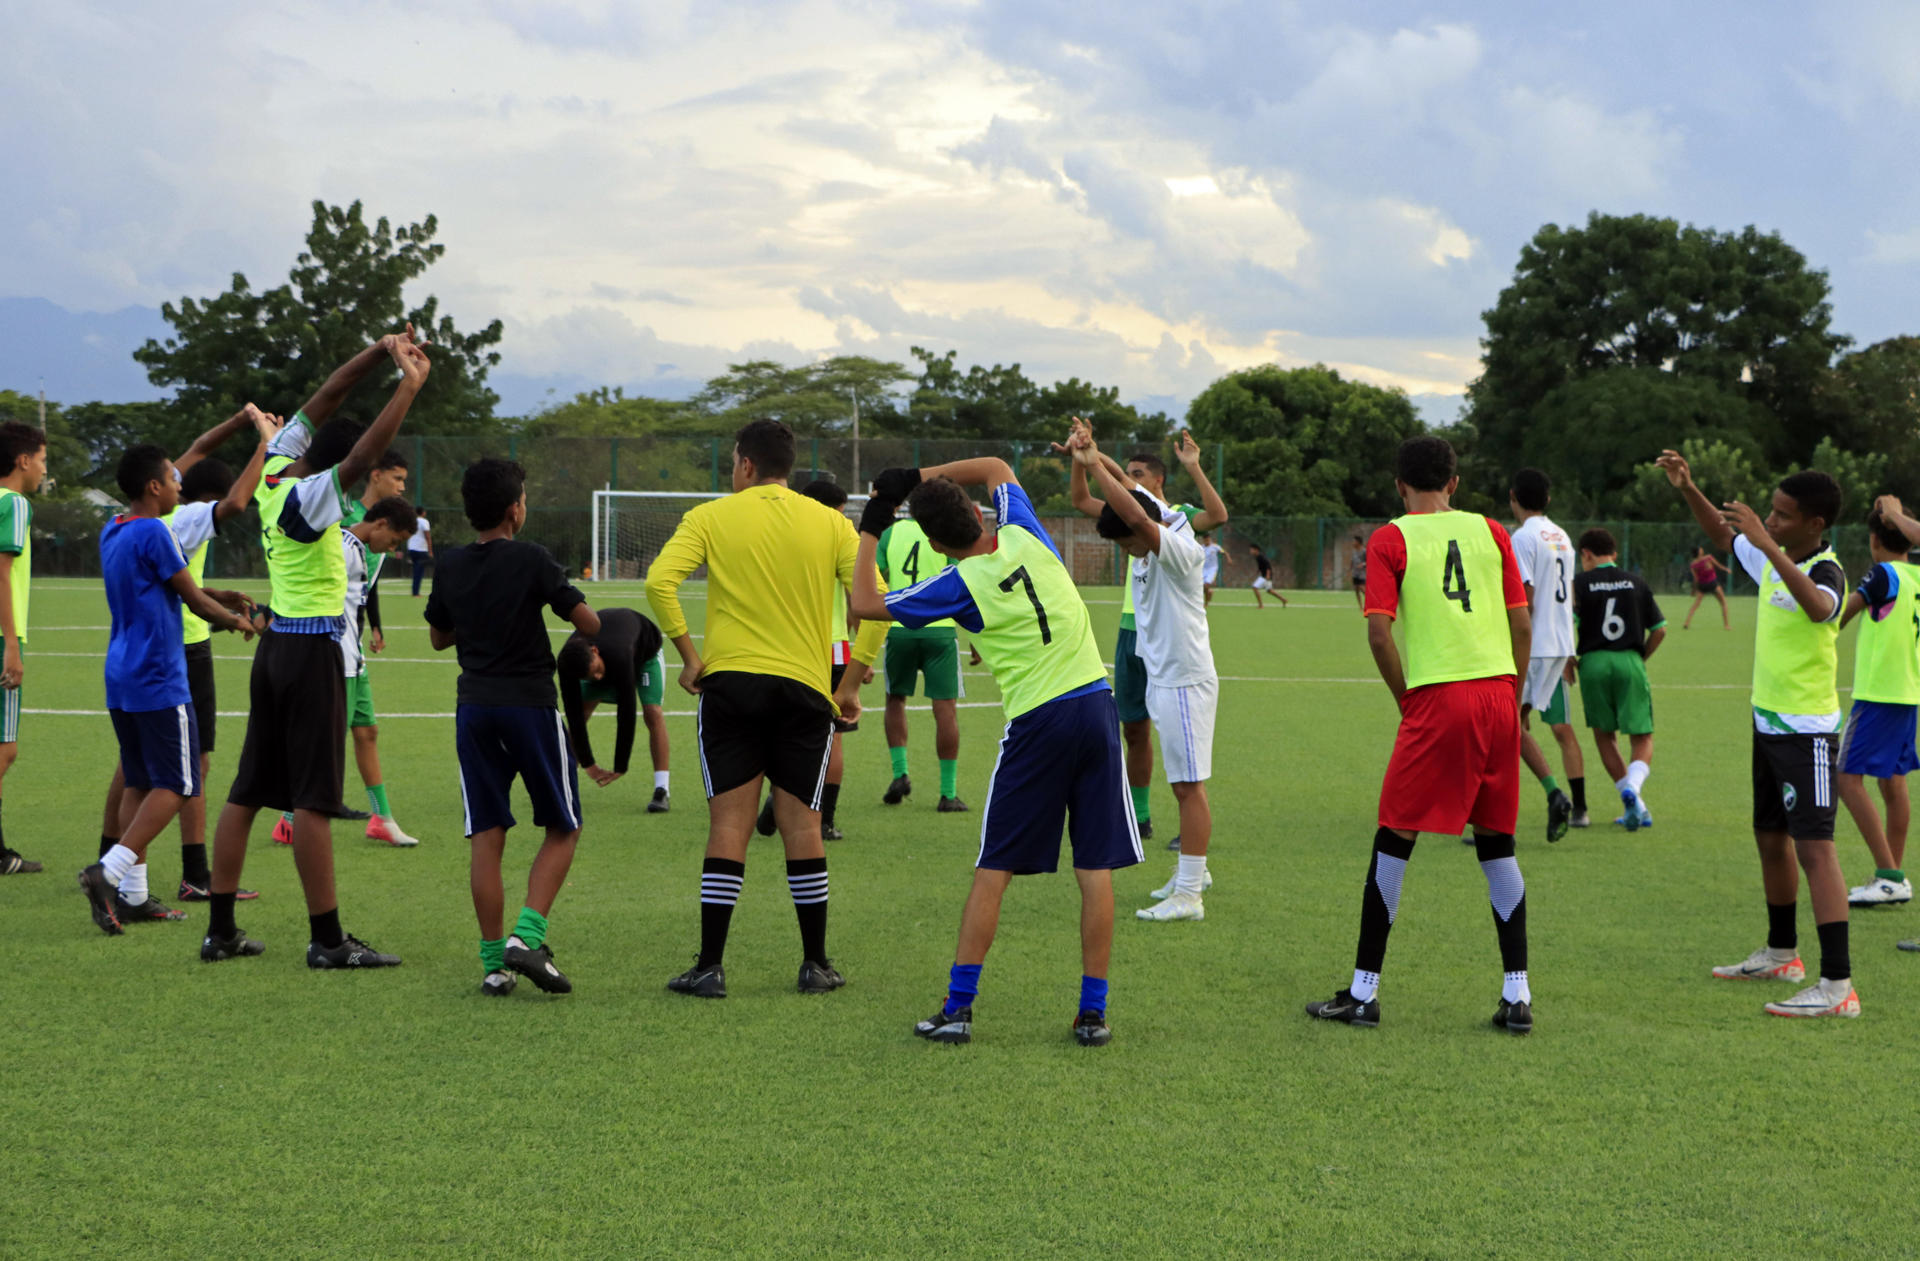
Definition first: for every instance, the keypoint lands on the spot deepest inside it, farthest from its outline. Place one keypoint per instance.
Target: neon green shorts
(360, 701)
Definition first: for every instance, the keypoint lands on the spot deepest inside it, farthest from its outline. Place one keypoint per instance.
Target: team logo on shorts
(1789, 796)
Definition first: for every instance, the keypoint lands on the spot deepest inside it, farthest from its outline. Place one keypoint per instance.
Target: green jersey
(906, 557)
(16, 539)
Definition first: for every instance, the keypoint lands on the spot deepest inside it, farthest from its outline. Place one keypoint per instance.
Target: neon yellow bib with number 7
(1453, 610)
(1035, 635)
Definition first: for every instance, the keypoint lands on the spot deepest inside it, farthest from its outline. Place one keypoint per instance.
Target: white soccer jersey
(357, 584)
(1213, 552)
(1170, 608)
(1548, 563)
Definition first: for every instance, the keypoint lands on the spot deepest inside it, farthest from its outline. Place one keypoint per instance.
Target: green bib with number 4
(1453, 614)
(907, 558)
(1035, 635)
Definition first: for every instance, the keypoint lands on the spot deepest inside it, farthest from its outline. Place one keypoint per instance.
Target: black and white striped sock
(720, 881)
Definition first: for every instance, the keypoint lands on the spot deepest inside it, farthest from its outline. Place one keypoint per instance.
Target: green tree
(1873, 400)
(815, 400)
(274, 347)
(1722, 470)
(1862, 476)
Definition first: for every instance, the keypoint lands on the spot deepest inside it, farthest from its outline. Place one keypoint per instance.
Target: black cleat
(351, 953)
(941, 1027)
(1174, 844)
(239, 946)
(1909, 945)
(191, 892)
(1090, 1028)
(819, 978)
(661, 803)
(701, 982)
(898, 791)
(14, 863)
(152, 911)
(1559, 815)
(100, 899)
(828, 832)
(498, 984)
(1345, 1008)
(537, 966)
(950, 805)
(357, 816)
(1515, 1018)
(765, 824)
(1146, 829)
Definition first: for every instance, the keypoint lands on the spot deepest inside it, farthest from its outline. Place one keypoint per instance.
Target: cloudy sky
(1147, 194)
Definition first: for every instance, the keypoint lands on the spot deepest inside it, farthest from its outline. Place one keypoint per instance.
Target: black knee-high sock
(1836, 962)
(720, 881)
(807, 880)
(220, 915)
(829, 799)
(107, 843)
(1577, 785)
(1380, 900)
(1507, 890)
(193, 865)
(1781, 932)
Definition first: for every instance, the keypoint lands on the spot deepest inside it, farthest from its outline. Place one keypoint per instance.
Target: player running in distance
(1548, 566)
(1263, 579)
(1449, 578)
(1210, 572)
(1796, 725)
(1705, 568)
(1620, 627)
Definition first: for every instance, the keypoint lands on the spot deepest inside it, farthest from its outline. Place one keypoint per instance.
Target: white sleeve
(1751, 558)
(317, 502)
(192, 525)
(1179, 553)
(1526, 553)
(294, 437)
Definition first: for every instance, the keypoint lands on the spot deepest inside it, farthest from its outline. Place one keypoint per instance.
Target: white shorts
(1209, 577)
(1263, 584)
(1184, 718)
(1544, 674)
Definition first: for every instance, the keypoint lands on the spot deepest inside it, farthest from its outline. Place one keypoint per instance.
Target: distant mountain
(83, 356)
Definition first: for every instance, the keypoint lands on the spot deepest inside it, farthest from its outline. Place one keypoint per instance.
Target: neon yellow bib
(23, 563)
(1035, 635)
(1795, 660)
(193, 627)
(1453, 610)
(308, 579)
(910, 558)
(1886, 659)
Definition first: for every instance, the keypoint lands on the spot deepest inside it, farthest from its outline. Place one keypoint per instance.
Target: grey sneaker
(943, 1026)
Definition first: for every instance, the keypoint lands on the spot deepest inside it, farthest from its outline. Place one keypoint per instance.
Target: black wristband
(878, 515)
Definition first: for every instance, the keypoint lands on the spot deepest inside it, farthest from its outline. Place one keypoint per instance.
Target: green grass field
(155, 1104)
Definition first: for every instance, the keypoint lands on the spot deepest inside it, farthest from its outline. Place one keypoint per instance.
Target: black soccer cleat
(1146, 829)
(1347, 1009)
(950, 805)
(941, 1027)
(537, 966)
(898, 791)
(356, 816)
(765, 824)
(1174, 844)
(351, 953)
(819, 977)
(100, 899)
(191, 892)
(239, 946)
(151, 911)
(1515, 1018)
(1090, 1028)
(828, 832)
(701, 982)
(661, 803)
(1559, 815)
(498, 984)
(14, 863)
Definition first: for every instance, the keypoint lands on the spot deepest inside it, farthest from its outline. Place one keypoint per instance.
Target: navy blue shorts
(159, 748)
(1879, 740)
(1060, 766)
(498, 742)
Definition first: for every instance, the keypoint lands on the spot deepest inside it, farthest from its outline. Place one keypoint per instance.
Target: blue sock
(962, 987)
(1093, 994)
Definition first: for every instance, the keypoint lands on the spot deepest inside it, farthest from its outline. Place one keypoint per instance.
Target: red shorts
(1456, 760)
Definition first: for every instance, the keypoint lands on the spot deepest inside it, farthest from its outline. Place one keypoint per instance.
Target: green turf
(152, 1103)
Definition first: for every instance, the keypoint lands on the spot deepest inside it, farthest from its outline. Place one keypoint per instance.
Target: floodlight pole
(853, 391)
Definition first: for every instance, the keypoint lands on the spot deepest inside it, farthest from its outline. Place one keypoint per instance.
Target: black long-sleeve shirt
(627, 641)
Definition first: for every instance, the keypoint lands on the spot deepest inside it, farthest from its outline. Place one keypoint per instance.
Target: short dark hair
(941, 508)
(396, 512)
(769, 444)
(490, 487)
(18, 438)
(1887, 532)
(1113, 526)
(1600, 542)
(829, 493)
(391, 458)
(574, 656)
(1530, 489)
(1817, 494)
(139, 466)
(1152, 461)
(1425, 462)
(209, 479)
(331, 444)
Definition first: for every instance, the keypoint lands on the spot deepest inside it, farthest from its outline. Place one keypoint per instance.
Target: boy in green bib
(1796, 725)
(23, 466)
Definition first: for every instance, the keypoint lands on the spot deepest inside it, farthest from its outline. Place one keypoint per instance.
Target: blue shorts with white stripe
(159, 748)
(497, 742)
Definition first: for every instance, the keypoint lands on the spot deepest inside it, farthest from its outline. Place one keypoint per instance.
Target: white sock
(1782, 956)
(660, 779)
(1365, 985)
(1623, 785)
(1514, 988)
(133, 887)
(119, 861)
(1191, 874)
(1637, 773)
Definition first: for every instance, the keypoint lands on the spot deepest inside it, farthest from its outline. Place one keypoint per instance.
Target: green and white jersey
(16, 539)
(1794, 658)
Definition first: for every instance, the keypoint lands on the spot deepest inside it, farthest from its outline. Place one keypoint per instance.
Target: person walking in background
(1360, 571)
(1263, 580)
(420, 550)
(1706, 569)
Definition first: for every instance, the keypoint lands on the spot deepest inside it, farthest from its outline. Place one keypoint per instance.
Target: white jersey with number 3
(1548, 563)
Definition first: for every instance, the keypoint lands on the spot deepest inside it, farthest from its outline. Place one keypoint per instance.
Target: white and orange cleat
(1764, 964)
(387, 831)
(282, 831)
(1822, 998)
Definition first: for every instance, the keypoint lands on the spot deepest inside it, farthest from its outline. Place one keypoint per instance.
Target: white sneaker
(1762, 966)
(1177, 906)
(1881, 892)
(1166, 890)
(383, 829)
(1822, 998)
(1581, 819)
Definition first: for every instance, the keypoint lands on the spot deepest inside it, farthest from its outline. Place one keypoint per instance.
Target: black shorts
(762, 724)
(1706, 588)
(1793, 784)
(200, 687)
(294, 757)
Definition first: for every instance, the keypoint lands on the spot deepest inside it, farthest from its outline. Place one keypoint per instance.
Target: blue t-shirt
(146, 660)
(945, 594)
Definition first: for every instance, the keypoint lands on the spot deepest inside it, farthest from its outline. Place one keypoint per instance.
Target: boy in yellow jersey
(776, 561)
(1796, 725)
(1060, 761)
(930, 652)
(1886, 696)
(23, 456)
(1450, 579)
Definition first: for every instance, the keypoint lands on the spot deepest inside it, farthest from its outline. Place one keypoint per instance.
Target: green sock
(899, 759)
(1549, 783)
(1890, 873)
(493, 955)
(377, 794)
(288, 816)
(531, 927)
(949, 777)
(1142, 795)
